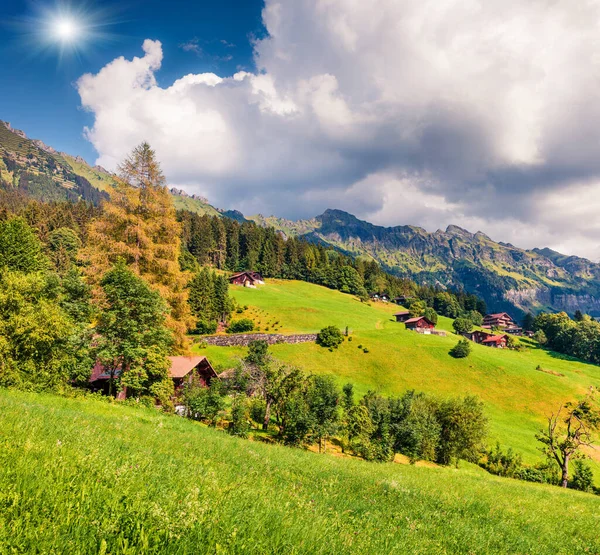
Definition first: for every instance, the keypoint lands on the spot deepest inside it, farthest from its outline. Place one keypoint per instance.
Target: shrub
(540, 337)
(365, 350)
(257, 410)
(350, 338)
(241, 326)
(330, 337)
(204, 327)
(461, 350)
(462, 325)
(239, 419)
(583, 477)
(502, 463)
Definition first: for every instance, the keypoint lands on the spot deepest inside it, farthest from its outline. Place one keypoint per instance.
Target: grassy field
(517, 396)
(84, 476)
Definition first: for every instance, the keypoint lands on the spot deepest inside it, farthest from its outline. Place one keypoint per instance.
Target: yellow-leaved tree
(139, 226)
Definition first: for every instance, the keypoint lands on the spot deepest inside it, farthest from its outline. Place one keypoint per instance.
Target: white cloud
(407, 111)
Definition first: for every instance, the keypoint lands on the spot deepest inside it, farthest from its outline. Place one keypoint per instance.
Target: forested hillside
(506, 277)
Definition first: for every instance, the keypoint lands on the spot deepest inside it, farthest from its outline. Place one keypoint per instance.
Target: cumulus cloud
(429, 112)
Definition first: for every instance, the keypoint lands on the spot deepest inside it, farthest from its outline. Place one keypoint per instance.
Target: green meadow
(518, 397)
(82, 476)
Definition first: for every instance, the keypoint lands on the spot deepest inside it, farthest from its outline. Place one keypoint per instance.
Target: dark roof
(402, 313)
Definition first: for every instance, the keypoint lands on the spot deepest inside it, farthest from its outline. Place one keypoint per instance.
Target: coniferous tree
(139, 226)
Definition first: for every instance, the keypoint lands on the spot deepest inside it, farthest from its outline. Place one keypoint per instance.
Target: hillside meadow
(83, 476)
(517, 397)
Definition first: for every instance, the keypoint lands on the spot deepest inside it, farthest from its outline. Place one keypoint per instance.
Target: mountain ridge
(507, 277)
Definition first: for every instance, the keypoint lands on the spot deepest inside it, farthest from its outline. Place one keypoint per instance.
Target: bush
(462, 325)
(239, 419)
(583, 477)
(365, 350)
(241, 326)
(461, 350)
(330, 337)
(540, 337)
(502, 463)
(205, 328)
(257, 409)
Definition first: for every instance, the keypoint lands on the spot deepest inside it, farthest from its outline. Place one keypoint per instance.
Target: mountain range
(507, 277)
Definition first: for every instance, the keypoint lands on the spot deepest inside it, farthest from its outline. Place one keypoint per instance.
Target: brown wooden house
(420, 323)
(496, 341)
(402, 316)
(478, 336)
(246, 279)
(498, 320)
(183, 370)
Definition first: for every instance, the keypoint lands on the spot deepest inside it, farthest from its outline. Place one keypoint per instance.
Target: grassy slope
(98, 179)
(82, 476)
(194, 205)
(517, 397)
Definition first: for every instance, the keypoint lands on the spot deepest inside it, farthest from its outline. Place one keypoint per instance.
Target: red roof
(182, 366)
(494, 339)
(498, 315)
(418, 319)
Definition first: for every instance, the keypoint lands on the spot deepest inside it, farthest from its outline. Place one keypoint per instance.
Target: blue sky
(37, 92)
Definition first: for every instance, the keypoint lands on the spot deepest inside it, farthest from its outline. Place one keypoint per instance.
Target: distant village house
(402, 316)
(420, 323)
(246, 279)
(503, 321)
(496, 341)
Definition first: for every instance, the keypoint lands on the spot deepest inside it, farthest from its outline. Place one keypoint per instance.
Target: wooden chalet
(498, 320)
(383, 297)
(246, 279)
(183, 370)
(420, 323)
(496, 341)
(478, 336)
(402, 316)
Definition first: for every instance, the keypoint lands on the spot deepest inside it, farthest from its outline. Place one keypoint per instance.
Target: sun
(66, 30)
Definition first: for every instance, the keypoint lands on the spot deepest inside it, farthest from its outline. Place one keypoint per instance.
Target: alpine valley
(505, 276)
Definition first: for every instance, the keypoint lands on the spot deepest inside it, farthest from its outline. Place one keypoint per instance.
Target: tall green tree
(323, 400)
(133, 340)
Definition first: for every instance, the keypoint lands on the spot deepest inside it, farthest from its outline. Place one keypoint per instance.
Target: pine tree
(139, 226)
(201, 297)
(222, 302)
(220, 243)
(233, 246)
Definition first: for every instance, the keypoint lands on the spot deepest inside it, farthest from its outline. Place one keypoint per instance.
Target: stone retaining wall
(242, 339)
